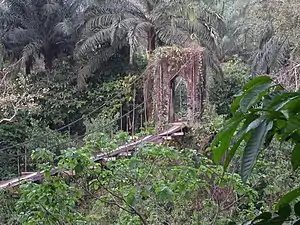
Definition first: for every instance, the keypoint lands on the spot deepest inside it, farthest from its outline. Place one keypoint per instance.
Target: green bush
(156, 185)
(8, 214)
(221, 92)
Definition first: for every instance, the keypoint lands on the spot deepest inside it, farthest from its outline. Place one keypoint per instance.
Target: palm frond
(101, 22)
(204, 34)
(271, 57)
(66, 27)
(174, 22)
(105, 54)
(19, 35)
(98, 59)
(170, 35)
(7, 19)
(128, 7)
(94, 42)
(31, 50)
(50, 8)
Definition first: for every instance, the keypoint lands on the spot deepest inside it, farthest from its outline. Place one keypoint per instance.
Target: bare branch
(16, 109)
(9, 119)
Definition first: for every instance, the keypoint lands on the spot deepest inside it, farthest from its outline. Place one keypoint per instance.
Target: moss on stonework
(165, 65)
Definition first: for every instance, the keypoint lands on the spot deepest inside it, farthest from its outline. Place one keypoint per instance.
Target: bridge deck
(127, 148)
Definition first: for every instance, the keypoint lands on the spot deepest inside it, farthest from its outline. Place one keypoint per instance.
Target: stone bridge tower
(173, 70)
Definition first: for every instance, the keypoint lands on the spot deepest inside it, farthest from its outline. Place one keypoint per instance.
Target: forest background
(66, 60)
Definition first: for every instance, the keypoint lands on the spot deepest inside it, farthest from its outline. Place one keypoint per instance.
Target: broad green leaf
(293, 106)
(253, 95)
(285, 113)
(236, 103)
(264, 216)
(232, 151)
(292, 125)
(284, 211)
(277, 220)
(256, 81)
(281, 101)
(238, 138)
(297, 208)
(254, 124)
(288, 197)
(296, 156)
(222, 142)
(253, 147)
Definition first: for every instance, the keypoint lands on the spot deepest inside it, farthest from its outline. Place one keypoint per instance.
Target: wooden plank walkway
(176, 129)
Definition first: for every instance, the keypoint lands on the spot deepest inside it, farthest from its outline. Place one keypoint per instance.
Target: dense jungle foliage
(72, 76)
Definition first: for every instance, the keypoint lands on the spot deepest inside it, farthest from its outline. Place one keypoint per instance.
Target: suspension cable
(77, 120)
(102, 106)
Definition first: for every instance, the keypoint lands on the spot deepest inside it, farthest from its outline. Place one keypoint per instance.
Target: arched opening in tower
(179, 98)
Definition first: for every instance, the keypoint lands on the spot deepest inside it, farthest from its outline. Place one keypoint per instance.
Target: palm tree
(111, 25)
(255, 35)
(272, 54)
(35, 28)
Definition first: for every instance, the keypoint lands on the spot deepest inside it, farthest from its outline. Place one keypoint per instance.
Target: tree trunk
(48, 53)
(28, 65)
(48, 59)
(151, 40)
(160, 43)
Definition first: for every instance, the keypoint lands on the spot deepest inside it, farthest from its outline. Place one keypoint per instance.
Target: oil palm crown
(111, 25)
(34, 28)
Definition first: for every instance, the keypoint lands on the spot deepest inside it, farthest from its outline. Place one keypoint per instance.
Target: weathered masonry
(175, 85)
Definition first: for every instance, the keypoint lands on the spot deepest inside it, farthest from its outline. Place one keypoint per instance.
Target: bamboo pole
(121, 117)
(25, 160)
(133, 111)
(19, 172)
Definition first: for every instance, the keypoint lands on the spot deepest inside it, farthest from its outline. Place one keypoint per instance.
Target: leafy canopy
(263, 110)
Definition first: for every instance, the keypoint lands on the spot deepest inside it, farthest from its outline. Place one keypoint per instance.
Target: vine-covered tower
(175, 87)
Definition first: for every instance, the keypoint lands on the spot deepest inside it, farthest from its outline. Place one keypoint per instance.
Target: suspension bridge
(160, 81)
